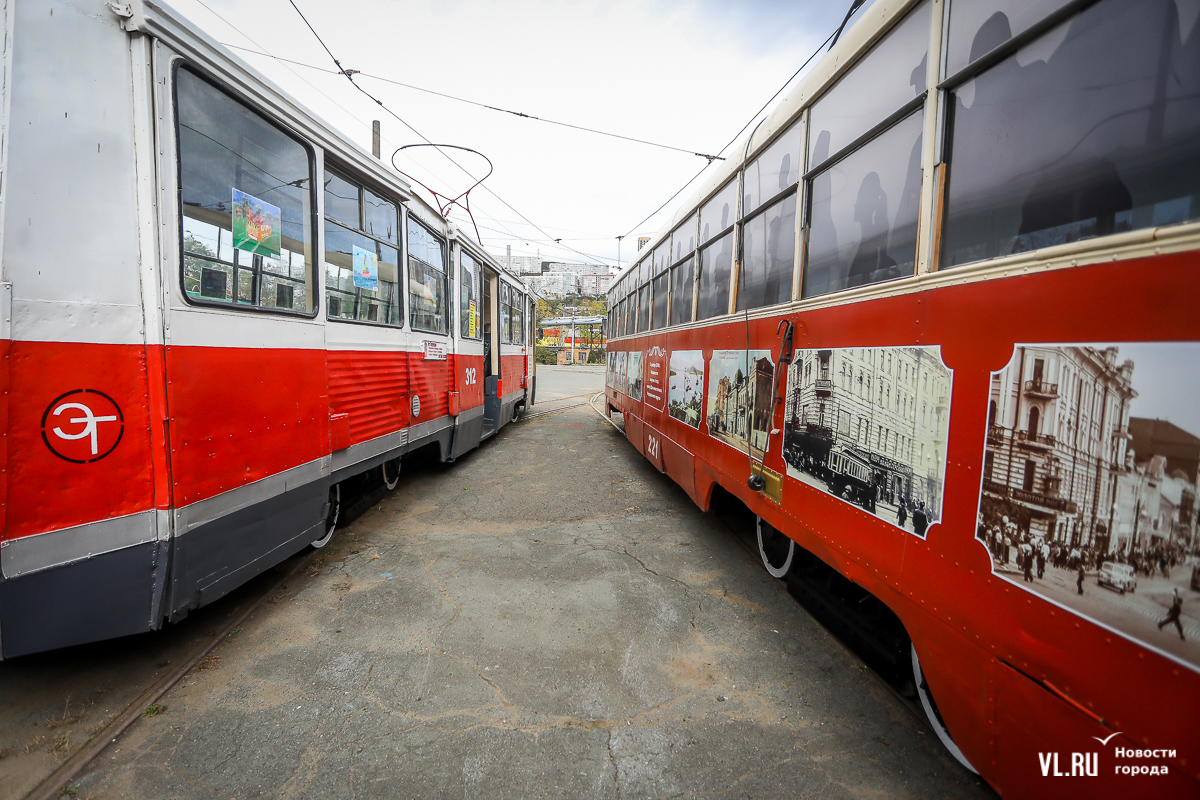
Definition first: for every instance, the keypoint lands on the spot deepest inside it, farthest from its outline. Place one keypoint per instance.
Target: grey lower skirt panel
(102, 597)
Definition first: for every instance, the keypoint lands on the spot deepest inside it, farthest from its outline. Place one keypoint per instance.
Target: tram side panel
(81, 536)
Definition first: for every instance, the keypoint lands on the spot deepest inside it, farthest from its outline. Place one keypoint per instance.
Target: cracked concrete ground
(548, 617)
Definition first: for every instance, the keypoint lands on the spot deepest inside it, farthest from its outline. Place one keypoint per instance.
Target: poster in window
(471, 312)
(366, 268)
(256, 225)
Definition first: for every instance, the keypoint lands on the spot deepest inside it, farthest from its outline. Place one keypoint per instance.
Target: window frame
(317, 281)
(402, 261)
(462, 251)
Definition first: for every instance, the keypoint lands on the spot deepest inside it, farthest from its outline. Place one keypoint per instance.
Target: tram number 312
(470, 376)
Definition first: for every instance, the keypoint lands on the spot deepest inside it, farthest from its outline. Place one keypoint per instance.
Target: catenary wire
(482, 105)
(350, 77)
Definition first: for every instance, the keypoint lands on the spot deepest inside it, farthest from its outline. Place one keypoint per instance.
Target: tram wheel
(933, 715)
(335, 510)
(775, 549)
(516, 417)
(391, 483)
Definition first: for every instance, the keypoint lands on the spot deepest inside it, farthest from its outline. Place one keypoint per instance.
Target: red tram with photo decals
(934, 325)
(216, 310)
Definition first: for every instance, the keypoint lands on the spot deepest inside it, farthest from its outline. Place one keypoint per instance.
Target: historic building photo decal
(685, 387)
(869, 425)
(1090, 485)
(740, 383)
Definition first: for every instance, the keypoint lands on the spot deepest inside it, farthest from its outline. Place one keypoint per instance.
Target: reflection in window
(768, 254)
(346, 298)
(662, 300)
(683, 289)
(718, 213)
(427, 279)
(661, 255)
(644, 308)
(777, 169)
(683, 240)
(1092, 129)
(470, 312)
(716, 262)
(863, 224)
(342, 200)
(224, 148)
(505, 315)
(892, 73)
(978, 27)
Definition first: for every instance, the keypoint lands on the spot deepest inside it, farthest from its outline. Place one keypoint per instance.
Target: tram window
(683, 240)
(863, 213)
(517, 317)
(716, 262)
(718, 213)
(379, 217)
(683, 287)
(427, 279)
(977, 28)
(470, 311)
(505, 335)
(350, 297)
(768, 256)
(773, 172)
(348, 300)
(888, 76)
(662, 300)
(228, 150)
(644, 308)
(662, 256)
(1092, 129)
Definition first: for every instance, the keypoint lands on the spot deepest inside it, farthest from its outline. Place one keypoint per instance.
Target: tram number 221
(470, 376)
(652, 446)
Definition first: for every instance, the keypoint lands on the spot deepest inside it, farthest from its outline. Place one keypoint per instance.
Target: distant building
(595, 284)
(525, 265)
(554, 284)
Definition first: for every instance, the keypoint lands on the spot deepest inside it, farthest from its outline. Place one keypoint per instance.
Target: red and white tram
(215, 309)
(935, 325)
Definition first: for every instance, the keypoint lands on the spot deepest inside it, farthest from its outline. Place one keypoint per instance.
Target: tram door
(491, 353)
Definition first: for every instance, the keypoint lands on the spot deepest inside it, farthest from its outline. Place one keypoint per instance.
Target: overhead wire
(485, 105)
(744, 127)
(350, 77)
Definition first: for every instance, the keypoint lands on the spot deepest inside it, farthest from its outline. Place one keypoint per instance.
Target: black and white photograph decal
(634, 377)
(1090, 485)
(611, 361)
(869, 426)
(620, 384)
(739, 397)
(685, 389)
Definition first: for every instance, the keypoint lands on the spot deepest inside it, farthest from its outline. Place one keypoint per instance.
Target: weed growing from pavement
(154, 710)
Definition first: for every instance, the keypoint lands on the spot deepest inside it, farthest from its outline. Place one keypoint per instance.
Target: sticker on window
(256, 225)
(366, 268)
(472, 311)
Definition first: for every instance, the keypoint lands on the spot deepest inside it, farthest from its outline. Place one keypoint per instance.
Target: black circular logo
(82, 426)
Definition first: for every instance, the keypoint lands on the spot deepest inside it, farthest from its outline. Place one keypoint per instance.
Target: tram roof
(875, 22)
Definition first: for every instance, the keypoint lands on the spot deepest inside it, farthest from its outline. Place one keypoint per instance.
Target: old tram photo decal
(1090, 485)
(869, 425)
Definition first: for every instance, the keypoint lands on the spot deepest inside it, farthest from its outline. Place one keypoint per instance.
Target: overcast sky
(688, 75)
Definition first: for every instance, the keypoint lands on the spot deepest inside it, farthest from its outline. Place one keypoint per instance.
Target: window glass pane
(682, 290)
(890, 75)
(345, 299)
(768, 255)
(716, 261)
(379, 217)
(1092, 129)
(661, 256)
(645, 268)
(224, 148)
(644, 308)
(341, 200)
(683, 240)
(717, 214)
(864, 213)
(981, 26)
(773, 171)
(505, 324)
(426, 280)
(470, 314)
(662, 300)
